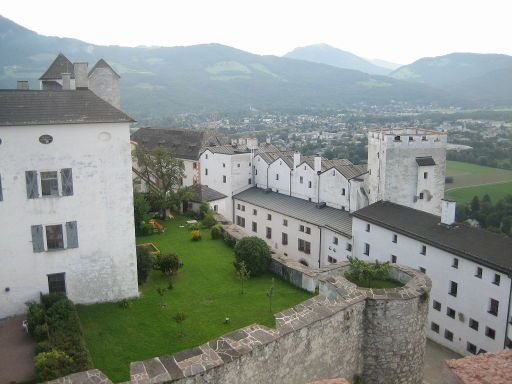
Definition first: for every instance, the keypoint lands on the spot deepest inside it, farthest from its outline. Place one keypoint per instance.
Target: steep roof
(184, 143)
(203, 193)
(60, 65)
(307, 211)
(425, 161)
(31, 107)
(478, 245)
(103, 64)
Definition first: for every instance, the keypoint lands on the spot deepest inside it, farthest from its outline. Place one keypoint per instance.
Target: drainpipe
(320, 247)
(349, 189)
(268, 166)
(508, 312)
(290, 181)
(318, 188)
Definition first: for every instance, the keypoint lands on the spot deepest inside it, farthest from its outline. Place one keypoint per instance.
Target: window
(421, 195)
(254, 212)
(450, 312)
(332, 260)
(423, 138)
(304, 246)
(335, 240)
(49, 184)
(240, 221)
(493, 307)
(343, 191)
(395, 238)
(334, 172)
(436, 305)
(269, 216)
(215, 208)
(54, 237)
(309, 184)
(478, 272)
(367, 227)
(411, 138)
(194, 165)
(284, 238)
(301, 228)
(434, 327)
(249, 181)
(238, 165)
(285, 222)
(397, 138)
(206, 156)
(238, 206)
(308, 230)
(448, 335)
(57, 283)
(496, 279)
(224, 178)
(393, 259)
(423, 270)
(254, 226)
(301, 180)
(206, 171)
(367, 249)
(490, 333)
(455, 263)
(243, 208)
(453, 289)
(277, 176)
(473, 324)
(269, 233)
(349, 247)
(423, 250)
(425, 175)
(471, 348)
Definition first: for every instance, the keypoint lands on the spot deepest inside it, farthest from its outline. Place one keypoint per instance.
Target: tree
(361, 271)
(243, 274)
(140, 211)
(475, 205)
(255, 253)
(144, 264)
(179, 318)
(270, 295)
(168, 263)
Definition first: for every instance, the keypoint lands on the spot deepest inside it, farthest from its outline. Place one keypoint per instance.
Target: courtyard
(206, 290)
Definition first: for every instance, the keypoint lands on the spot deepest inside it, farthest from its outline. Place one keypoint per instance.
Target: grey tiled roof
(18, 107)
(60, 65)
(478, 245)
(184, 143)
(203, 193)
(424, 161)
(228, 149)
(103, 64)
(328, 217)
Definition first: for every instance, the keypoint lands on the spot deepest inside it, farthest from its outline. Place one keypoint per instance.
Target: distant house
(66, 206)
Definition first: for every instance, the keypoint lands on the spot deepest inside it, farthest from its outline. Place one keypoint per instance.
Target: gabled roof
(184, 143)
(425, 161)
(343, 166)
(228, 149)
(103, 64)
(60, 65)
(31, 107)
(203, 193)
(478, 245)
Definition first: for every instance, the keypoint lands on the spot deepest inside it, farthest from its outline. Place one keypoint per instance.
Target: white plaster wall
(473, 293)
(302, 191)
(217, 165)
(105, 84)
(331, 186)
(339, 251)
(191, 174)
(241, 172)
(103, 267)
(279, 167)
(260, 172)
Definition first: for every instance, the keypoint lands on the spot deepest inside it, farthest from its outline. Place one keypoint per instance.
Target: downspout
(290, 181)
(268, 166)
(349, 189)
(233, 208)
(318, 188)
(320, 247)
(508, 312)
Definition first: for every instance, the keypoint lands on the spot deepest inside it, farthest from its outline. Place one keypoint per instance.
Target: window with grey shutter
(37, 238)
(72, 234)
(1, 194)
(32, 184)
(66, 175)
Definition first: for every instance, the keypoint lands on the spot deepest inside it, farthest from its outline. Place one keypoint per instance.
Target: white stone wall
(302, 190)
(338, 252)
(103, 267)
(104, 83)
(192, 175)
(279, 175)
(473, 293)
(332, 186)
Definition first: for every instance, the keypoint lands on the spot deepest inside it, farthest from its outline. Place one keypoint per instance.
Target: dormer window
(397, 138)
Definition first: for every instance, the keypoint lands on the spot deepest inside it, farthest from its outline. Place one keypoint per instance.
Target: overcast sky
(400, 31)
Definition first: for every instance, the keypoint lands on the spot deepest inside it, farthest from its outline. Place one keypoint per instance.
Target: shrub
(367, 272)
(43, 346)
(40, 332)
(51, 298)
(229, 240)
(146, 229)
(216, 232)
(125, 304)
(209, 220)
(168, 263)
(204, 208)
(52, 365)
(144, 263)
(196, 235)
(35, 317)
(140, 212)
(254, 252)
(195, 227)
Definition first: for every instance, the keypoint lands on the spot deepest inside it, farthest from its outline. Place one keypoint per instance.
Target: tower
(104, 82)
(407, 166)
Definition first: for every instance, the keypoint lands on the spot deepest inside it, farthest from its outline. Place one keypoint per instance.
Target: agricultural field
(475, 180)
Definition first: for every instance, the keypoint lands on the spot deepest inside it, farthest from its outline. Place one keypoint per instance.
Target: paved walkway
(16, 352)
(435, 369)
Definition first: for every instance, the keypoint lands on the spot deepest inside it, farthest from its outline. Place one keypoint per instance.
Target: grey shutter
(32, 184)
(66, 176)
(37, 238)
(72, 234)
(1, 194)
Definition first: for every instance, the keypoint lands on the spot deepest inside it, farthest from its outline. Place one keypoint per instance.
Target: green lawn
(206, 290)
(377, 284)
(475, 180)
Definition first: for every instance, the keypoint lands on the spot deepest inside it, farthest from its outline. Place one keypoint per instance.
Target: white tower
(407, 167)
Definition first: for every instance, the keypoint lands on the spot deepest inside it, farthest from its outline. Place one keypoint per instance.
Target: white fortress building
(66, 205)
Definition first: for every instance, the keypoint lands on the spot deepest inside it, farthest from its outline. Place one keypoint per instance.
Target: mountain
(385, 64)
(159, 81)
(325, 54)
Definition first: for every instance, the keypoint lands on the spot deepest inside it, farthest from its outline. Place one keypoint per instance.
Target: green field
(205, 289)
(475, 180)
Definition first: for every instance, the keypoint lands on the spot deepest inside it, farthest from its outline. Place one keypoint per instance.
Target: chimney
(268, 140)
(296, 160)
(22, 85)
(66, 81)
(81, 76)
(448, 212)
(318, 163)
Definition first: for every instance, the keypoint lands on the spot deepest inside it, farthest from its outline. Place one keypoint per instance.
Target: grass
(377, 284)
(475, 180)
(206, 290)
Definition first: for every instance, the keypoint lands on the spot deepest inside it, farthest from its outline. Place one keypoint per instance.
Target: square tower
(407, 166)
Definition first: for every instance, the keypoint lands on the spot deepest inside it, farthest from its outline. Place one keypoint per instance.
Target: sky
(399, 31)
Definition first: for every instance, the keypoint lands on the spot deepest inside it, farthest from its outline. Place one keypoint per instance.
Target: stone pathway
(435, 369)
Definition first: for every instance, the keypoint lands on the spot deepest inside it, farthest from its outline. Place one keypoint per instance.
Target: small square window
(450, 312)
(455, 263)
(335, 240)
(453, 288)
(493, 307)
(343, 191)
(309, 184)
(254, 226)
(54, 237)
(367, 249)
(490, 333)
(224, 179)
(285, 222)
(269, 216)
(301, 228)
(395, 238)
(254, 212)
(497, 279)
(423, 250)
(421, 195)
(478, 272)
(301, 180)
(308, 230)
(434, 327)
(277, 176)
(367, 227)
(284, 238)
(423, 270)
(49, 184)
(473, 324)
(238, 165)
(436, 305)
(425, 175)
(349, 247)
(448, 335)
(269, 233)
(223, 165)
(471, 348)
(393, 259)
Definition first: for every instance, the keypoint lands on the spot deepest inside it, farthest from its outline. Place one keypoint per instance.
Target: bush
(52, 365)
(255, 253)
(168, 263)
(196, 235)
(204, 208)
(40, 332)
(144, 263)
(146, 229)
(216, 232)
(51, 298)
(209, 220)
(140, 212)
(229, 240)
(35, 317)
(195, 227)
(43, 346)
(125, 304)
